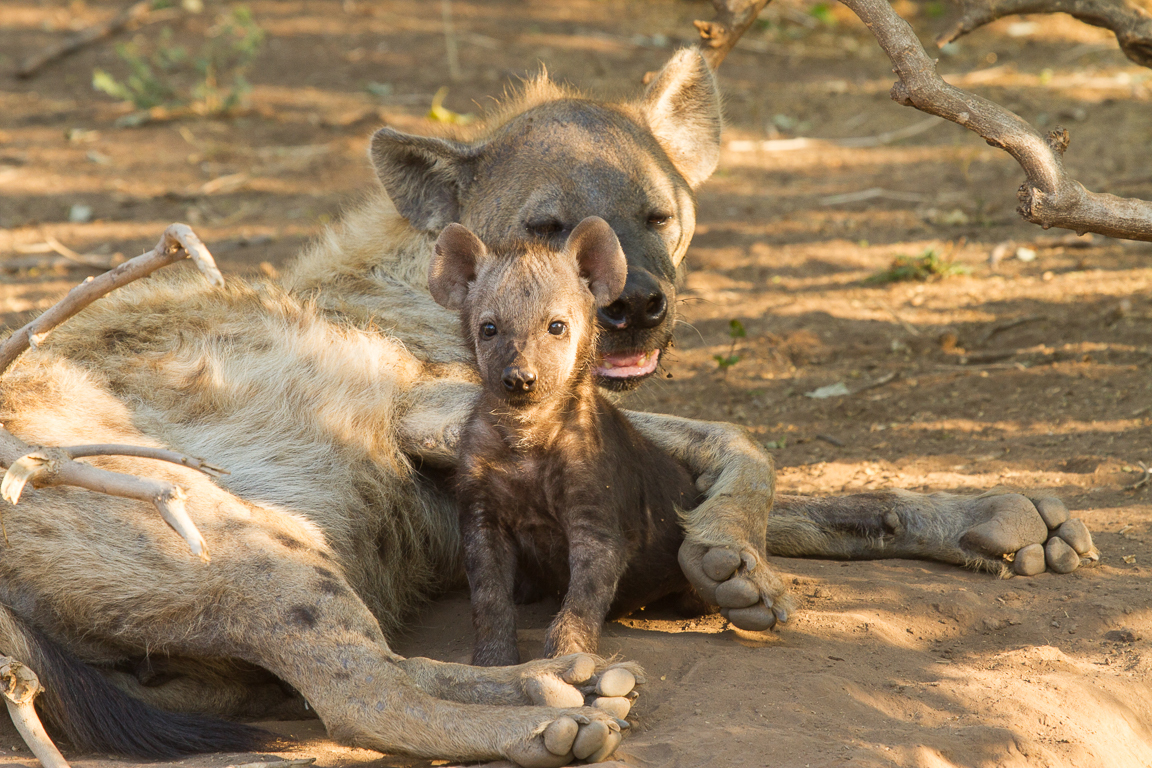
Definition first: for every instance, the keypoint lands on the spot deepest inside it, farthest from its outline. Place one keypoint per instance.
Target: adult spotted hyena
(335, 399)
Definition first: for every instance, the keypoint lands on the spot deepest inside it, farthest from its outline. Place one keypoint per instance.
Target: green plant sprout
(926, 266)
(735, 332)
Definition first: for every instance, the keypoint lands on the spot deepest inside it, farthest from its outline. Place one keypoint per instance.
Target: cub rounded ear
(453, 265)
(682, 106)
(600, 257)
(424, 177)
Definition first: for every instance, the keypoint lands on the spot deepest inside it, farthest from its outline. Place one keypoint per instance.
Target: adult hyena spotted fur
(322, 395)
(555, 487)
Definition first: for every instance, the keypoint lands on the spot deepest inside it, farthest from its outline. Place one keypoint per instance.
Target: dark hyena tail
(82, 708)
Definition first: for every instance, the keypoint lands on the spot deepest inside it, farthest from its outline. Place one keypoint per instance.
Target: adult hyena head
(559, 158)
(530, 314)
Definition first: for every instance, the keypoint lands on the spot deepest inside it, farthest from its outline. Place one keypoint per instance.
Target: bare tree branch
(47, 467)
(733, 18)
(69, 45)
(177, 242)
(1048, 197)
(44, 467)
(1130, 20)
(160, 454)
(20, 687)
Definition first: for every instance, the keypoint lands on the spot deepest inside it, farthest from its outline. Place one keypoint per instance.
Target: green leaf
(736, 329)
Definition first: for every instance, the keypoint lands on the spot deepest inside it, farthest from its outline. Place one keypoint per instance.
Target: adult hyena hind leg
(999, 531)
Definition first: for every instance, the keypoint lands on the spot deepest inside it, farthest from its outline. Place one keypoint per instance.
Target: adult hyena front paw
(575, 734)
(749, 593)
(583, 679)
(1034, 533)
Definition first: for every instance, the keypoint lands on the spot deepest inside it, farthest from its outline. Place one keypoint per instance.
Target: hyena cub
(557, 490)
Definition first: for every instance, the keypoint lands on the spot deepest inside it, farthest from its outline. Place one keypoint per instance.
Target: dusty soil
(1035, 375)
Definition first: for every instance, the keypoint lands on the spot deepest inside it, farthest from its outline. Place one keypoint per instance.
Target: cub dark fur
(556, 488)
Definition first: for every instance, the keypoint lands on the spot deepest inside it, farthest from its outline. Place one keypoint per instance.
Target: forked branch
(733, 18)
(1049, 196)
(44, 467)
(20, 687)
(1129, 20)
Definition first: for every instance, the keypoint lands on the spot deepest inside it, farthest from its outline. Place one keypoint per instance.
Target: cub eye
(545, 228)
(659, 220)
(488, 330)
(557, 328)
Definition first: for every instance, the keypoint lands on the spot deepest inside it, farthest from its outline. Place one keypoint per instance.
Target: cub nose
(517, 379)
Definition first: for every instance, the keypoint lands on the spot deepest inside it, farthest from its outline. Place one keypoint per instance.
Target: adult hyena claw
(749, 593)
(1036, 534)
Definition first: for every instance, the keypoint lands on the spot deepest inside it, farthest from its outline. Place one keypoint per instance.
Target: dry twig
(178, 242)
(21, 687)
(1144, 479)
(134, 13)
(1049, 197)
(43, 466)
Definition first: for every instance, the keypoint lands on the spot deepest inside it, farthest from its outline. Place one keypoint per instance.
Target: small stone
(1029, 560)
(80, 214)
(1053, 511)
(1076, 534)
(1061, 557)
(1124, 635)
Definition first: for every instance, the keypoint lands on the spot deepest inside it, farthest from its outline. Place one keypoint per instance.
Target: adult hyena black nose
(517, 379)
(641, 305)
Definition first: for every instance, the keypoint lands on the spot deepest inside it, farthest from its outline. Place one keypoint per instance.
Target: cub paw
(749, 593)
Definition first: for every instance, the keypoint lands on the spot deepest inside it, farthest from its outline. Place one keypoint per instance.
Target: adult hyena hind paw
(583, 679)
(1033, 534)
(586, 734)
(748, 591)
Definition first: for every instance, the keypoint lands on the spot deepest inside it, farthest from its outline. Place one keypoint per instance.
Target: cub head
(529, 314)
(556, 158)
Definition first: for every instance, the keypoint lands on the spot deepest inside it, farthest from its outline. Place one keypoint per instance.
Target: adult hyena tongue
(626, 365)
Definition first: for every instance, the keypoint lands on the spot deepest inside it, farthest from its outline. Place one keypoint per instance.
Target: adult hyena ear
(600, 257)
(682, 105)
(453, 266)
(423, 176)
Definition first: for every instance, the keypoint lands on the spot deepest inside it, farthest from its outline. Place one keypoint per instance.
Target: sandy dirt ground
(1034, 375)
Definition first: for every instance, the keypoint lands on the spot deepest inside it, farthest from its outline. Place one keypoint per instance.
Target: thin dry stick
(69, 45)
(55, 466)
(1049, 197)
(21, 687)
(160, 454)
(733, 18)
(178, 242)
(46, 467)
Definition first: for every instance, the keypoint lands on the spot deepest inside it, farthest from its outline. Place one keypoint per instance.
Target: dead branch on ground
(1129, 20)
(133, 14)
(45, 467)
(20, 687)
(1049, 196)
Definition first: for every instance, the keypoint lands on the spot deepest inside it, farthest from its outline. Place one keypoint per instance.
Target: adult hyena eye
(557, 328)
(488, 330)
(544, 228)
(659, 220)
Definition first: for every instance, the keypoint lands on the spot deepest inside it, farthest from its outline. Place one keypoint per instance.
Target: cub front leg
(596, 561)
(723, 554)
(490, 560)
